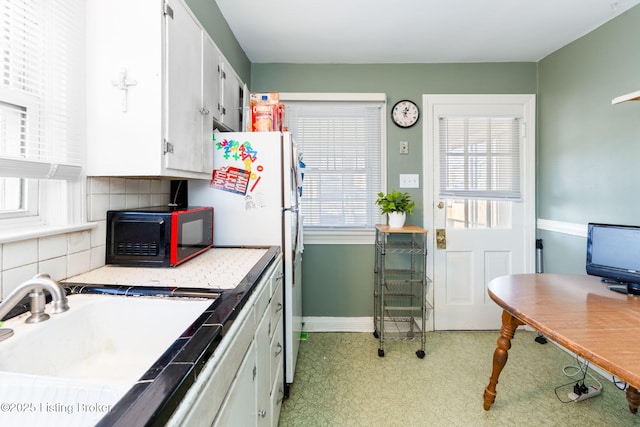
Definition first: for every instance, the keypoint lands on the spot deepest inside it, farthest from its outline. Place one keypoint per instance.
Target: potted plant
(397, 206)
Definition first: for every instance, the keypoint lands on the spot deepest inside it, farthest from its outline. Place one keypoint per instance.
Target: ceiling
(412, 31)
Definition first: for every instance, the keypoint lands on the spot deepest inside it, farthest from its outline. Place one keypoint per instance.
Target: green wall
(338, 279)
(588, 149)
(212, 20)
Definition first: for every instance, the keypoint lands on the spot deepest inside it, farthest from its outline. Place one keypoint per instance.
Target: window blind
(41, 88)
(341, 144)
(480, 157)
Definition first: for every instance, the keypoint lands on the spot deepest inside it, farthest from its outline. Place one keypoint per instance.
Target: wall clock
(405, 113)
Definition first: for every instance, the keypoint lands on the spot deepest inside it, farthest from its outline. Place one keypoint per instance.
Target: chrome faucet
(35, 289)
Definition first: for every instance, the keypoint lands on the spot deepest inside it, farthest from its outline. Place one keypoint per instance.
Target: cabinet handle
(279, 307)
(279, 349)
(262, 413)
(203, 111)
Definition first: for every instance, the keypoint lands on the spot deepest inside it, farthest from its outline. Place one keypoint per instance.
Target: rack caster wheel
(380, 352)
(375, 334)
(420, 354)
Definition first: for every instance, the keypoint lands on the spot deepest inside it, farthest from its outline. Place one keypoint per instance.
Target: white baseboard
(337, 324)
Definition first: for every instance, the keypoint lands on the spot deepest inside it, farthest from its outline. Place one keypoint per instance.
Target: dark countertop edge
(152, 402)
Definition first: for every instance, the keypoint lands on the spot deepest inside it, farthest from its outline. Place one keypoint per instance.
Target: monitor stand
(626, 288)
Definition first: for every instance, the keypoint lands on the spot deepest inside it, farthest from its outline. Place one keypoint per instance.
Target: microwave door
(142, 240)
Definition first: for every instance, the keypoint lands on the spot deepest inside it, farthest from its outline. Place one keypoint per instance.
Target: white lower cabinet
(243, 382)
(262, 373)
(270, 380)
(277, 374)
(241, 398)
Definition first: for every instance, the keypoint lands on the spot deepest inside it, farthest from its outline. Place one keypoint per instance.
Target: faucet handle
(59, 303)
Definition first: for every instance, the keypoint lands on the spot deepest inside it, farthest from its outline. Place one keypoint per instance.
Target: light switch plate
(409, 180)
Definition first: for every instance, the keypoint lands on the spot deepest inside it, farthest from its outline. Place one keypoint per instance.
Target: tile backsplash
(67, 254)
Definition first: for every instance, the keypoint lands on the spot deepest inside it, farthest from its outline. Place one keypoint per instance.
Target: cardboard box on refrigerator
(265, 112)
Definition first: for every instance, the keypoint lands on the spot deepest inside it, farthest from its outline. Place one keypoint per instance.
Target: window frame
(329, 235)
(54, 184)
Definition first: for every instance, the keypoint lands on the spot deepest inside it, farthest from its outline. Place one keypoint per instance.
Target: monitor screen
(613, 252)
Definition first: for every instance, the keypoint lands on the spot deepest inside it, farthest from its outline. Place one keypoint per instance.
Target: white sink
(94, 352)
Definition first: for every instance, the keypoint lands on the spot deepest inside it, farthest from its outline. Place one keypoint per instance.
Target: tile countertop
(218, 268)
(227, 274)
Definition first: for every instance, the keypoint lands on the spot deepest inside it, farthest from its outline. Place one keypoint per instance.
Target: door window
(471, 213)
(480, 157)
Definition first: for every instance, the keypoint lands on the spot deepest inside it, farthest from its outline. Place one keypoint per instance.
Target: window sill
(36, 232)
(339, 237)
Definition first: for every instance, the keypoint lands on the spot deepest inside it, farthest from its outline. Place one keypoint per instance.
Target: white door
(480, 156)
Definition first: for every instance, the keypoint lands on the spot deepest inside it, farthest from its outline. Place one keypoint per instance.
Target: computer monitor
(613, 253)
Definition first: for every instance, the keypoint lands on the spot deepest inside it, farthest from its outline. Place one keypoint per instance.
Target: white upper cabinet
(212, 84)
(185, 138)
(232, 98)
(153, 90)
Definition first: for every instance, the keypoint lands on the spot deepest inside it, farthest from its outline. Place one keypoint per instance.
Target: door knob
(441, 238)
(440, 205)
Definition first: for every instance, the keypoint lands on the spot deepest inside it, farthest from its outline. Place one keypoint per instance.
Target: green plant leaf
(395, 201)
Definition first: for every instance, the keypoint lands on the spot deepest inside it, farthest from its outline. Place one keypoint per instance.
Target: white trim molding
(329, 96)
(337, 324)
(37, 232)
(562, 227)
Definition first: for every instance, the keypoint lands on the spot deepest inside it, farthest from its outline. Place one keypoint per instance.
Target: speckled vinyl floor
(341, 381)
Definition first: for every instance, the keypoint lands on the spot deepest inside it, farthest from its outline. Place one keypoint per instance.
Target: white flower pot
(396, 219)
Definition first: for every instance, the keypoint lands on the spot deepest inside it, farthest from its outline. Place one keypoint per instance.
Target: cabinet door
(233, 98)
(210, 98)
(277, 375)
(184, 40)
(239, 407)
(263, 363)
(124, 81)
(211, 86)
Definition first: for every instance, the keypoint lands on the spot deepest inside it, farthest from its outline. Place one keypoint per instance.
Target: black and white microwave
(158, 236)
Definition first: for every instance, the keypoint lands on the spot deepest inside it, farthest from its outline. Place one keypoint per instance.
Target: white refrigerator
(255, 190)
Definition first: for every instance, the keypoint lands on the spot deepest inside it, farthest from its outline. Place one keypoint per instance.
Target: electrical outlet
(409, 180)
(404, 147)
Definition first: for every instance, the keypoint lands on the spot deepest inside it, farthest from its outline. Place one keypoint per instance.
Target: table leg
(633, 397)
(500, 355)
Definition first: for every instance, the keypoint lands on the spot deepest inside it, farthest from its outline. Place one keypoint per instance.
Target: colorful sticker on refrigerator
(235, 151)
(230, 179)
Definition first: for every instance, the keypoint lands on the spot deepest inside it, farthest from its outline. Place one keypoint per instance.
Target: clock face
(405, 113)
